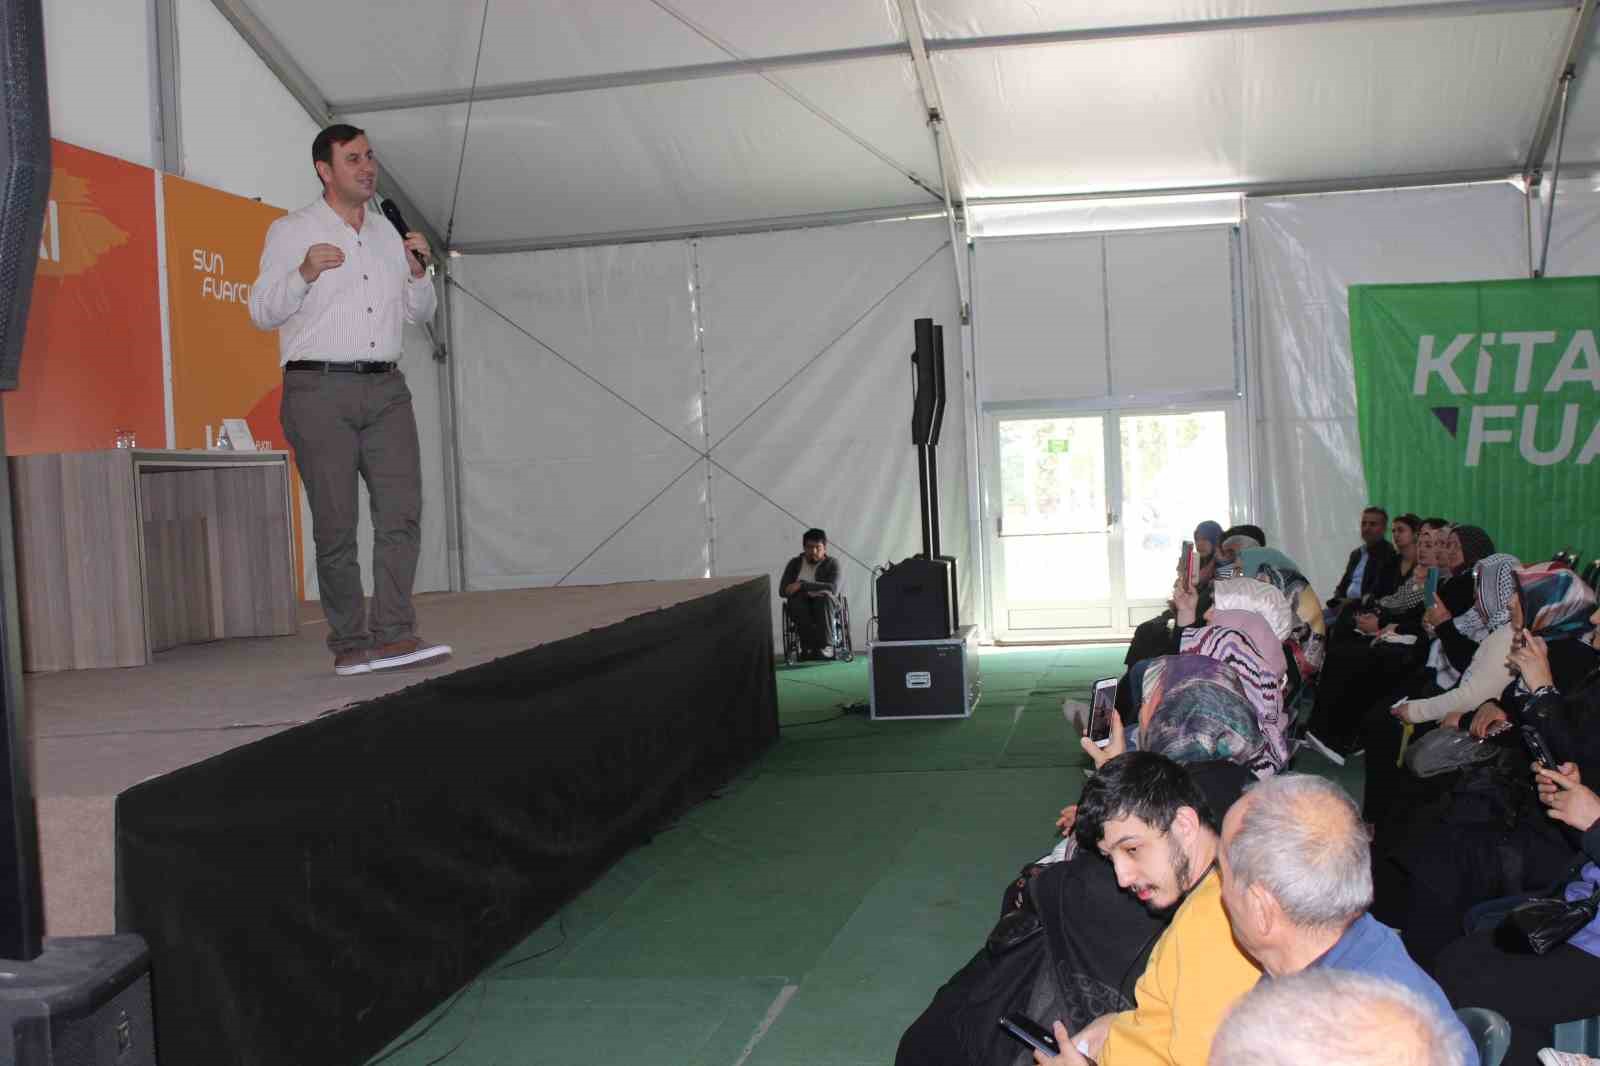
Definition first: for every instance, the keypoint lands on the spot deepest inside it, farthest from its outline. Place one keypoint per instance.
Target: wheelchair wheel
(842, 650)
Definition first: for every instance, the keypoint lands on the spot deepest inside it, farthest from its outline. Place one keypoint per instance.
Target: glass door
(1052, 559)
(1092, 511)
(1175, 475)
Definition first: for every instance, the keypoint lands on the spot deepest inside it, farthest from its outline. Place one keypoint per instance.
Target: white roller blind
(1170, 301)
(1040, 319)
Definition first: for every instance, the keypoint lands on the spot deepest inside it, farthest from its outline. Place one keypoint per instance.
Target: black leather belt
(338, 368)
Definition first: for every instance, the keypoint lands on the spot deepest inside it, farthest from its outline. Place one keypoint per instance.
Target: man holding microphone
(337, 282)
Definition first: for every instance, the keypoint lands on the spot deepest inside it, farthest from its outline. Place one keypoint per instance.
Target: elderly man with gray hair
(1296, 870)
(1335, 1019)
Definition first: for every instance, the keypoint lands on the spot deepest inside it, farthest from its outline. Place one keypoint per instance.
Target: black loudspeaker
(25, 170)
(925, 394)
(938, 385)
(914, 598)
(85, 1001)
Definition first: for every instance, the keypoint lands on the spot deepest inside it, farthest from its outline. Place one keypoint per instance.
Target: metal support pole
(1555, 172)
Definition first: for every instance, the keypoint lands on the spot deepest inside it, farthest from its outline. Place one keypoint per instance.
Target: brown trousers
(341, 426)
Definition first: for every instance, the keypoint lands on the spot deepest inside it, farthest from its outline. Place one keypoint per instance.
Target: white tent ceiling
(603, 120)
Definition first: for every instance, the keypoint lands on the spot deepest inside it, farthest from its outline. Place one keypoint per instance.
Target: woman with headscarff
(1460, 551)
(1159, 635)
(1307, 641)
(1422, 707)
(1486, 837)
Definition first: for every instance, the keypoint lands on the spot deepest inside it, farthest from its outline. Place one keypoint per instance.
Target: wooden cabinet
(124, 553)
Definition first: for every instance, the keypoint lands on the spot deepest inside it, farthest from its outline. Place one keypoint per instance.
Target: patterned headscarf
(1497, 583)
(1555, 603)
(1244, 641)
(1201, 713)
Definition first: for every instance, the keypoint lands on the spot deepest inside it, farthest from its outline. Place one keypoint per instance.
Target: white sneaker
(1311, 738)
(1551, 1057)
(827, 653)
(407, 652)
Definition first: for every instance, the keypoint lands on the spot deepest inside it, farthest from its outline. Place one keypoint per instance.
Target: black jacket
(1382, 575)
(827, 575)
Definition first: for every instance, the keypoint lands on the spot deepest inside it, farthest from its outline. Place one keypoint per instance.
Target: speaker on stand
(922, 663)
(72, 1001)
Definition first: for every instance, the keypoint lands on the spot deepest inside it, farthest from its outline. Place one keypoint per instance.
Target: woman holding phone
(1484, 838)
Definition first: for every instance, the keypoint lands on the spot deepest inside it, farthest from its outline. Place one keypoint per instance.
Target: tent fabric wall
(688, 408)
(1305, 253)
(242, 131)
(99, 69)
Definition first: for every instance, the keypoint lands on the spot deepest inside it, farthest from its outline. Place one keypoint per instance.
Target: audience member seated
(807, 583)
(1373, 569)
(1537, 992)
(1144, 813)
(1308, 639)
(1094, 938)
(1296, 871)
(1244, 631)
(1483, 837)
(1160, 635)
(1155, 637)
(1464, 548)
(1386, 646)
(1235, 540)
(1384, 727)
(1335, 1019)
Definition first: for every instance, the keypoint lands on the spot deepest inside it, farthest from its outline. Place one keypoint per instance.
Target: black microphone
(392, 213)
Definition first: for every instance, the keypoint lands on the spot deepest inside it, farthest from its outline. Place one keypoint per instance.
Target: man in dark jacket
(807, 582)
(1373, 569)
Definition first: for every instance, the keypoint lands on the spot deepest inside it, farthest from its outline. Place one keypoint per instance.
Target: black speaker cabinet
(914, 597)
(925, 678)
(24, 171)
(85, 1001)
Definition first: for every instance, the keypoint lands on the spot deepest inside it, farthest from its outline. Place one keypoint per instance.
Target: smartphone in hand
(1101, 707)
(1188, 566)
(1030, 1032)
(1538, 748)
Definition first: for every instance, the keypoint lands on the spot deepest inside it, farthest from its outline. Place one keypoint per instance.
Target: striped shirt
(351, 313)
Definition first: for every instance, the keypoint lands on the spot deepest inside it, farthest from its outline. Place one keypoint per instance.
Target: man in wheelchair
(807, 583)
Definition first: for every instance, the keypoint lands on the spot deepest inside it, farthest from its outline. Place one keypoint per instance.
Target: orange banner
(91, 364)
(222, 366)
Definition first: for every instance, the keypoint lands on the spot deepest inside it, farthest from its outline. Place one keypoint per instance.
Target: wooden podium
(127, 552)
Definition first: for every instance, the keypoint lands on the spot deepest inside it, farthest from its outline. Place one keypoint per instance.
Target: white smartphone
(1101, 708)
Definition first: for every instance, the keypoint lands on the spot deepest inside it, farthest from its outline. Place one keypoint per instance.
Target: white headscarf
(1257, 597)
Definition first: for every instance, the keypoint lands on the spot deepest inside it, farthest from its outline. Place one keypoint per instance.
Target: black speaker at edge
(25, 171)
(71, 1001)
(85, 1001)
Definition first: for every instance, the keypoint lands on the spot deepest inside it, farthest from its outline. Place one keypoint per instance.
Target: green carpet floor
(805, 916)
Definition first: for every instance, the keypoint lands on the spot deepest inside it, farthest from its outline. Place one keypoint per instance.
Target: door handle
(1111, 519)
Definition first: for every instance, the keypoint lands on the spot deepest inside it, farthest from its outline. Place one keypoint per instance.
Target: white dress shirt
(351, 313)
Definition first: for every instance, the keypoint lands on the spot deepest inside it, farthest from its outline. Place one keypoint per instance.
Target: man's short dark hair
(1143, 785)
(322, 147)
(1436, 523)
(814, 536)
(1375, 509)
(1253, 532)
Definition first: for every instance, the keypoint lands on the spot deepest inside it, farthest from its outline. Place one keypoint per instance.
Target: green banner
(1480, 401)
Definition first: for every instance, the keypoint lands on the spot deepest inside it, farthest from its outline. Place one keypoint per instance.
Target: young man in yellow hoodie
(1144, 813)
